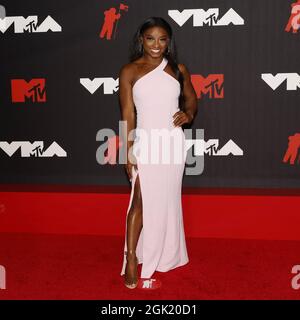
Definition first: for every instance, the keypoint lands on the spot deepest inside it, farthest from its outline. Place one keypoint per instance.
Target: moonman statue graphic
(294, 19)
(109, 20)
(291, 153)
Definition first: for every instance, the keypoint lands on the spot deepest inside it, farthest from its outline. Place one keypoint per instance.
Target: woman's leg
(134, 227)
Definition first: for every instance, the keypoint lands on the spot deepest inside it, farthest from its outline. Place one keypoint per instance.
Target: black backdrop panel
(255, 117)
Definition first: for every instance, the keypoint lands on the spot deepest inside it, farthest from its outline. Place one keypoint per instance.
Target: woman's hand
(181, 118)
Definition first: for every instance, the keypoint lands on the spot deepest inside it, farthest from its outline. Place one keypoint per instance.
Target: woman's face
(155, 41)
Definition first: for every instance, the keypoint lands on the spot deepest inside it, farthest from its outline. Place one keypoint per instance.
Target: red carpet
(45, 266)
(208, 214)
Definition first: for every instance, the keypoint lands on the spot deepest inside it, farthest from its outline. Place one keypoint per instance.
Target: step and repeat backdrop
(60, 62)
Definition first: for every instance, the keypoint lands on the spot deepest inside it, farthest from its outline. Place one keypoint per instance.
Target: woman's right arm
(127, 110)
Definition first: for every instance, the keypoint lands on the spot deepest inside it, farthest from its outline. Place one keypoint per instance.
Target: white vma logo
(208, 17)
(292, 80)
(35, 149)
(2, 278)
(211, 147)
(29, 24)
(110, 85)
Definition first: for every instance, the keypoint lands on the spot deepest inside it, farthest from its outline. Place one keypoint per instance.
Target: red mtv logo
(213, 85)
(22, 91)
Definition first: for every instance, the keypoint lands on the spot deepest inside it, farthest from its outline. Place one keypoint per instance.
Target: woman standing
(152, 89)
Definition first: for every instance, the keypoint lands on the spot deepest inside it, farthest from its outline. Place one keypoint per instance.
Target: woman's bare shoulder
(126, 70)
(130, 70)
(131, 67)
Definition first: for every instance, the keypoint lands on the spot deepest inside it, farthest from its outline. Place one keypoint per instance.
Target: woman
(154, 86)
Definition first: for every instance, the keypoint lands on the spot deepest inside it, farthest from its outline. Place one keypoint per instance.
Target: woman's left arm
(190, 100)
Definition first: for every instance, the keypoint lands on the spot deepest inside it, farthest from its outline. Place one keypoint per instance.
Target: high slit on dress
(161, 245)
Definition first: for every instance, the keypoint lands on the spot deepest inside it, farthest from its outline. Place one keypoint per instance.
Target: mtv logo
(292, 80)
(110, 85)
(2, 278)
(33, 91)
(213, 85)
(211, 147)
(35, 149)
(29, 24)
(208, 17)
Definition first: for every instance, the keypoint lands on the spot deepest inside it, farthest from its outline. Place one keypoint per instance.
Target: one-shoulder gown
(161, 245)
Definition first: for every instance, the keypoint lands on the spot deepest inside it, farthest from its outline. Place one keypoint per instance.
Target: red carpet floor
(46, 266)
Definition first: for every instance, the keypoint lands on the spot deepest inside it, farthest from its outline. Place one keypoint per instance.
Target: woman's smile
(155, 50)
